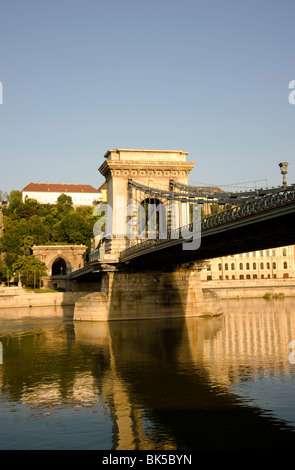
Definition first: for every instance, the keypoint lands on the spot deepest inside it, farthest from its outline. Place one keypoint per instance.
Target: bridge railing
(252, 207)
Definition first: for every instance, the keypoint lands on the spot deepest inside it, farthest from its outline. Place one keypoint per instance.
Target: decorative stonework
(72, 255)
(154, 168)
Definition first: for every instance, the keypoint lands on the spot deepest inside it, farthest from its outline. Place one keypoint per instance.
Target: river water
(196, 384)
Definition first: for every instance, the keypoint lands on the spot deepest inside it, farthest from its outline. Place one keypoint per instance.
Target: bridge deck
(258, 229)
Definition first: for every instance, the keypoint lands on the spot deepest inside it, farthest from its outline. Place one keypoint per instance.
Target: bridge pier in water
(127, 295)
(152, 270)
(141, 291)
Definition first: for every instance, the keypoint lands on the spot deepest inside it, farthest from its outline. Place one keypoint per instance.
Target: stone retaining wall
(259, 288)
(14, 297)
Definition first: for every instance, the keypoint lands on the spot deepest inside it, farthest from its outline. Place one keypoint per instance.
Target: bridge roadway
(267, 222)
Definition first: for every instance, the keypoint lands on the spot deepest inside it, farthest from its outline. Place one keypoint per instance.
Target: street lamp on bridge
(284, 166)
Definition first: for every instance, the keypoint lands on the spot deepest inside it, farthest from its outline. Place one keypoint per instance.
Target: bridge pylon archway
(153, 168)
(151, 219)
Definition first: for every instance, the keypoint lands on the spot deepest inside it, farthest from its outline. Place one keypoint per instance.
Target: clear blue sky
(208, 77)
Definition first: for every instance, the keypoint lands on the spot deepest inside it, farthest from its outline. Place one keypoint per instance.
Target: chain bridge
(158, 231)
(242, 222)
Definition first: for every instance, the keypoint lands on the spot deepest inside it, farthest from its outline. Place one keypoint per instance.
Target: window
(241, 266)
(247, 266)
(285, 265)
(226, 266)
(261, 266)
(220, 267)
(254, 265)
(273, 252)
(274, 265)
(284, 252)
(267, 265)
(233, 266)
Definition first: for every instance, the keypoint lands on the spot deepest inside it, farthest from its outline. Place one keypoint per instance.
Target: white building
(275, 263)
(47, 193)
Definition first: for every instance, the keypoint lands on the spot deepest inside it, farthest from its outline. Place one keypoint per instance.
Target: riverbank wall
(23, 300)
(245, 289)
(14, 297)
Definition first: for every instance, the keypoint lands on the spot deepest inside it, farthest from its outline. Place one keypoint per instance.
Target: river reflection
(208, 384)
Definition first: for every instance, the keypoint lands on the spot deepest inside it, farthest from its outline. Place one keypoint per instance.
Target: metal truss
(264, 201)
(192, 194)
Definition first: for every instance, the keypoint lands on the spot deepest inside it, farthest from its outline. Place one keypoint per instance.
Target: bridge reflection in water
(166, 384)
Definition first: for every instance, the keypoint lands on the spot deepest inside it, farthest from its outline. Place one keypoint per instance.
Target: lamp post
(284, 166)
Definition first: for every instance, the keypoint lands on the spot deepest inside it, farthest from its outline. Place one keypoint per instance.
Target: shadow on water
(159, 379)
(175, 386)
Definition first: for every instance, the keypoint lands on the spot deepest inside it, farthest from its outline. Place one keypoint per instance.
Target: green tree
(3, 271)
(64, 199)
(74, 229)
(30, 270)
(14, 199)
(14, 234)
(26, 210)
(39, 232)
(30, 223)
(26, 245)
(64, 205)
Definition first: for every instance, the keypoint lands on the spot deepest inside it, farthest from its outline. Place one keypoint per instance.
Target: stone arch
(59, 267)
(152, 218)
(73, 255)
(65, 264)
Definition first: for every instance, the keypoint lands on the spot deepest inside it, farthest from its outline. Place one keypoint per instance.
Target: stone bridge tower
(154, 168)
(146, 292)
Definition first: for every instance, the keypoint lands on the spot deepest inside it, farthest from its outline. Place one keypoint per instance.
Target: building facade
(47, 193)
(275, 263)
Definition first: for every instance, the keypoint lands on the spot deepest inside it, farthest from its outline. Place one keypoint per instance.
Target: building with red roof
(47, 193)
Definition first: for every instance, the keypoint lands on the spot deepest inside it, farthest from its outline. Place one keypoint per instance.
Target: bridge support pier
(149, 294)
